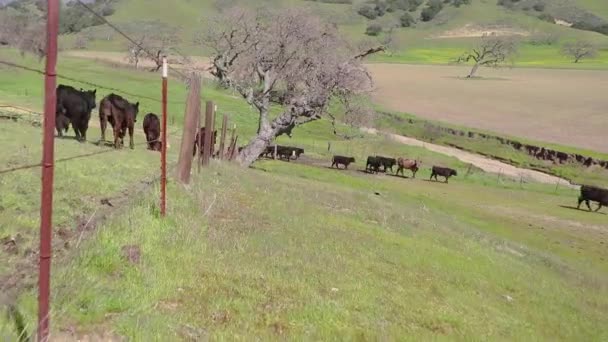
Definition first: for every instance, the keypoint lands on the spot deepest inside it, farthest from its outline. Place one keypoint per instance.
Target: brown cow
(152, 131)
(121, 114)
(408, 164)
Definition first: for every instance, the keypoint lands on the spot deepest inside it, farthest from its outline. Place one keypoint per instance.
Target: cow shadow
(104, 143)
(338, 169)
(370, 173)
(399, 176)
(581, 209)
(433, 181)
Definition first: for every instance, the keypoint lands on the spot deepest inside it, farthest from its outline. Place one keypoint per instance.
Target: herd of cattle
(376, 164)
(75, 106)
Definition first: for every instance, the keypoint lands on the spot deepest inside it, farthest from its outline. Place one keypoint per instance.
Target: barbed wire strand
(101, 17)
(86, 155)
(23, 67)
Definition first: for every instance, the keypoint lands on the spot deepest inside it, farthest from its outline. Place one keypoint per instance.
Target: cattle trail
(484, 163)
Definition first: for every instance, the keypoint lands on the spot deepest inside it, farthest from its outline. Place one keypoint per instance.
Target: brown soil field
(568, 107)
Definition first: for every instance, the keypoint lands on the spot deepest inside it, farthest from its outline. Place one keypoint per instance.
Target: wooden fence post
(207, 149)
(193, 109)
(234, 148)
(232, 137)
(223, 138)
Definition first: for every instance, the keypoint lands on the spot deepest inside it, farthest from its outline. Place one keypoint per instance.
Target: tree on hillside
(579, 50)
(289, 58)
(154, 40)
(491, 51)
(23, 32)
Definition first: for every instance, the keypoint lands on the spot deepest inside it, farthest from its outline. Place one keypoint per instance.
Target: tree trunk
(473, 71)
(256, 146)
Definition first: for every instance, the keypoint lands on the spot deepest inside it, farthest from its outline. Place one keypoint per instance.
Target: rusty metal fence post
(163, 152)
(48, 156)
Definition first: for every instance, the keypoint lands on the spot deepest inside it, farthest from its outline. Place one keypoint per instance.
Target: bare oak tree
(579, 50)
(289, 58)
(23, 32)
(153, 40)
(492, 51)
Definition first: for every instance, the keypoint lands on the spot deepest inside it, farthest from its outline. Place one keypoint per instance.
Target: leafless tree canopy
(289, 58)
(154, 40)
(24, 33)
(579, 50)
(492, 51)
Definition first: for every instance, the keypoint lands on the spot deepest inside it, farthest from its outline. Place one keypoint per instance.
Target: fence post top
(165, 71)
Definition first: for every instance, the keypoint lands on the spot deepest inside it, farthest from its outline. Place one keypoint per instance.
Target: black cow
(373, 164)
(296, 151)
(387, 163)
(152, 131)
(74, 106)
(121, 114)
(595, 194)
(283, 152)
(443, 171)
(341, 160)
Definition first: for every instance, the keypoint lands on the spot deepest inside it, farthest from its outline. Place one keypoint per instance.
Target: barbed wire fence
(17, 112)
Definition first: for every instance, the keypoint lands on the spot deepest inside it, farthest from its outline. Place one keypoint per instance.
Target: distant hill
(418, 34)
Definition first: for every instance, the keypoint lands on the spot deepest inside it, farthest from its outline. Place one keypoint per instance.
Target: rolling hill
(436, 41)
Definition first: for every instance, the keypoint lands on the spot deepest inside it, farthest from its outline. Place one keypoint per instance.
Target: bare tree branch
(492, 51)
(580, 50)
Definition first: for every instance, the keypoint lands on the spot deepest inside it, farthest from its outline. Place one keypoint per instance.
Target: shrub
(547, 17)
(368, 12)
(539, 7)
(406, 20)
(458, 3)
(373, 30)
(432, 9)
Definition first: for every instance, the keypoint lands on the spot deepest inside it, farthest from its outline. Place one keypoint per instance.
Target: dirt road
(484, 163)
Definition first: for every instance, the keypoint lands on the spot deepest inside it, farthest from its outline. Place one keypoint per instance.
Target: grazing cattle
(283, 152)
(341, 160)
(408, 164)
(595, 194)
(122, 115)
(152, 131)
(296, 151)
(286, 152)
(372, 164)
(74, 106)
(387, 163)
(444, 172)
(201, 143)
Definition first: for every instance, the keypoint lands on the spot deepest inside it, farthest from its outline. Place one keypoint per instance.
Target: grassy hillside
(423, 43)
(419, 260)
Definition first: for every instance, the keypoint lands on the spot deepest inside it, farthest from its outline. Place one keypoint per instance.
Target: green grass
(528, 56)
(338, 262)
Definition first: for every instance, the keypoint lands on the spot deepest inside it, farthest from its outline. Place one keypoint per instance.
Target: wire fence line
(69, 78)
(80, 156)
(119, 31)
